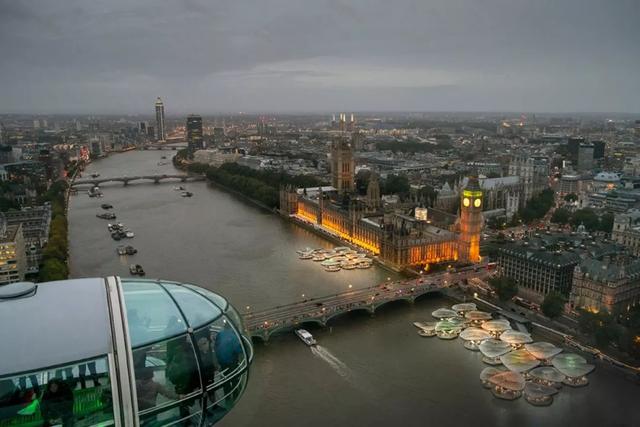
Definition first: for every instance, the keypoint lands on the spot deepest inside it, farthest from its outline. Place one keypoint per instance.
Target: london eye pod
(121, 352)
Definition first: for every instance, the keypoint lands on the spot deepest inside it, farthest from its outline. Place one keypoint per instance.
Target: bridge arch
(406, 299)
(364, 308)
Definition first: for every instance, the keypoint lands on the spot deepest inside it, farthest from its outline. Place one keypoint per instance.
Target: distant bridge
(95, 182)
(171, 146)
(262, 324)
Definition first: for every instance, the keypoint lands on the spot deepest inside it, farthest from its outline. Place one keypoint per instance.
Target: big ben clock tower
(470, 222)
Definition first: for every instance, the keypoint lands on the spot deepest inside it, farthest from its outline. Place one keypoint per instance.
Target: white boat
(304, 251)
(306, 337)
(318, 258)
(306, 256)
(129, 234)
(363, 265)
(332, 268)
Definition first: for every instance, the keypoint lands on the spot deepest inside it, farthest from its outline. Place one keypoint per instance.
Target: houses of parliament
(402, 236)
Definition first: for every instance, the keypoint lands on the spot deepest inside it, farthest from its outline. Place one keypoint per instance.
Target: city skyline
(320, 56)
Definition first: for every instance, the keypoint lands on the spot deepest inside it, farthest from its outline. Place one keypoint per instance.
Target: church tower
(470, 222)
(373, 193)
(342, 162)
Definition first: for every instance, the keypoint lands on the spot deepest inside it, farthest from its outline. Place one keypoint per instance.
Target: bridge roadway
(262, 324)
(95, 182)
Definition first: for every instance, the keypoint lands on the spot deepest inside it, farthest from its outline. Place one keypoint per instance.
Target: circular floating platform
(576, 381)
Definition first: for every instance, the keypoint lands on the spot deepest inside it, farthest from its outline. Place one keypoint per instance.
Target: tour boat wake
(338, 365)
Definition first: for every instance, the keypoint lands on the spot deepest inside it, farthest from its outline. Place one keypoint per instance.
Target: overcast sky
(116, 56)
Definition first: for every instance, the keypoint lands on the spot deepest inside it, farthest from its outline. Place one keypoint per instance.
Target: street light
(248, 308)
(350, 286)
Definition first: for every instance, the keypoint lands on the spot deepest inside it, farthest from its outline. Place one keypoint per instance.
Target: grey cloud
(112, 55)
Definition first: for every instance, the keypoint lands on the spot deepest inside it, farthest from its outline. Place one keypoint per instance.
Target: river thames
(365, 371)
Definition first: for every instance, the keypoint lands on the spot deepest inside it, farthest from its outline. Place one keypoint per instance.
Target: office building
(13, 263)
(611, 285)
(35, 222)
(194, 134)
(585, 157)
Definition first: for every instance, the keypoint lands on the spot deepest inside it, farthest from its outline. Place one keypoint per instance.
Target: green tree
(606, 223)
(571, 197)
(553, 304)
(396, 184)
(538, 206)
(561, 216)
(53, 269)
(587, 217)
(505, 287)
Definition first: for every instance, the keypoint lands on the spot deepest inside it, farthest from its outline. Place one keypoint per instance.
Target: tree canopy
(553, 304)
(505, 287)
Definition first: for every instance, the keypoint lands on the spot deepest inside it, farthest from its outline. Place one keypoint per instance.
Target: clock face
(477, 203)
(466, 202)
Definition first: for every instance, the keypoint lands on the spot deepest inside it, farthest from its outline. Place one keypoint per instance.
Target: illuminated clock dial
(466, 202)
(477, 203)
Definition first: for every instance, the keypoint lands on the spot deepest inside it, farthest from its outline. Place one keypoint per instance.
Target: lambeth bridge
(263, 324)
(95, 182)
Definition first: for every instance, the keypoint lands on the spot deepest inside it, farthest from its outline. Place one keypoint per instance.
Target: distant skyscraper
(160, 135)
(36, 124)
(585, 157)
(194, 133)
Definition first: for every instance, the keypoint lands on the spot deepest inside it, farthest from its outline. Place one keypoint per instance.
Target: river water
(365, 371)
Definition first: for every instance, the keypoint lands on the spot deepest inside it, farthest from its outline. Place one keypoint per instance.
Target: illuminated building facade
(160, 130)
(401, 240)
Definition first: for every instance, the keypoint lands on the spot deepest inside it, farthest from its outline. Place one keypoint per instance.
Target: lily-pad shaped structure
(539, 394)
(496, 327)
(443, 313)
(477, 317)
(547, 375)
(447, 329)
(515, 338)
(473, 337)
(487, 373)
(492, 349)
(425, 325)
(507, 385)
(544, 351)
(464, 307)
(574, 367)
(519, 361)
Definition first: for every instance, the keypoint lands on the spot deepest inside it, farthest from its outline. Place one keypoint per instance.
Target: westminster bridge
(95, 182)
(263, 324)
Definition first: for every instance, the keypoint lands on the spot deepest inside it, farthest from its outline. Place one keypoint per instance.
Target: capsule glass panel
(151, 313)
(76, 394)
